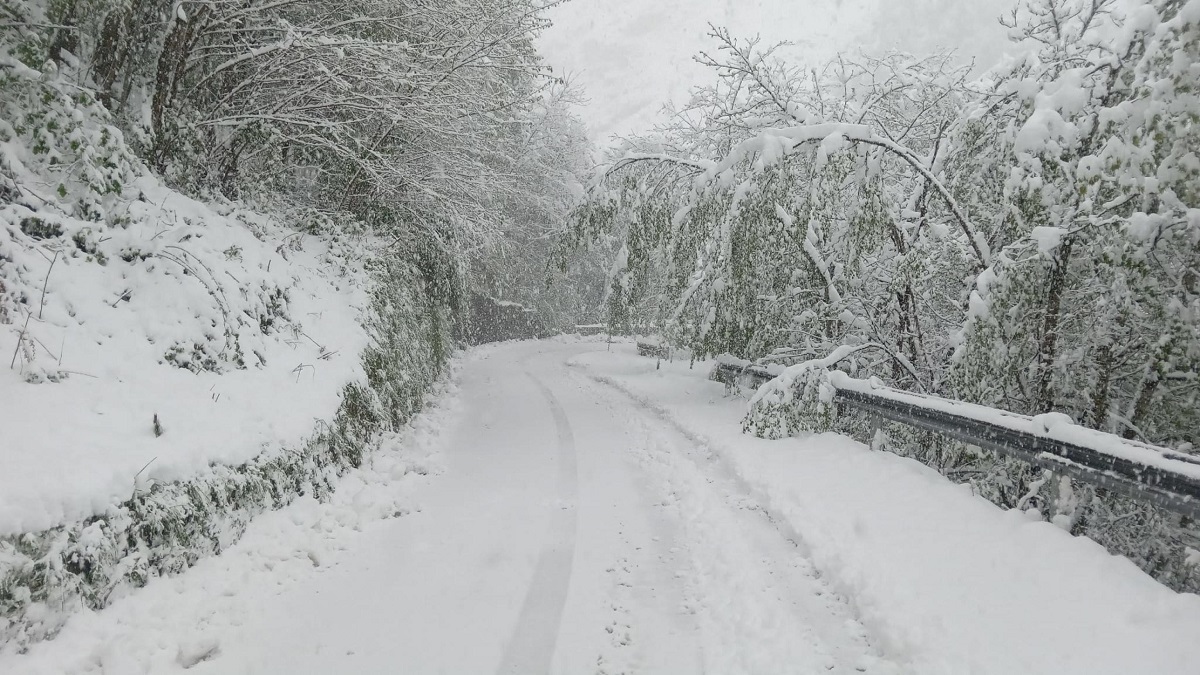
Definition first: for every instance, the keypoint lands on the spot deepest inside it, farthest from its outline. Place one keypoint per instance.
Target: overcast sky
(631, 56)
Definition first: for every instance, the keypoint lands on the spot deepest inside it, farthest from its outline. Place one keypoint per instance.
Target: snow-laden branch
(978, 243)
(634, 158)
(775, 144)
(783, 380)
(810, 249)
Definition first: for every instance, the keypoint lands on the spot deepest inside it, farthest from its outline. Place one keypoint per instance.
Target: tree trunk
(1056, 285)
(111, 52)
(66, 39)
(1104, 359)
(172, 61)
(1154, 374)
(163, 90)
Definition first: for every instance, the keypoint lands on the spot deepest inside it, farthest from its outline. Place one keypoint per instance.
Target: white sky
(631, 56)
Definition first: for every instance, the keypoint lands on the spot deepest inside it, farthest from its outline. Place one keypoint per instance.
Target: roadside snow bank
(178, 622)
(166, 526)
(944, 580)
(179, 369)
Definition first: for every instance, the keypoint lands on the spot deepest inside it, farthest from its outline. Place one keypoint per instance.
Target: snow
(1048, 238)
(1045, 131)
(566, 531)
(183, 622)
(75, 447)
(567, 506)
(731, 360)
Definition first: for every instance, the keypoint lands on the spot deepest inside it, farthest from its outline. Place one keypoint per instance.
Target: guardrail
(729, 374)
(1170, 481)
(653, 349)
(603, 328)
(591, 329)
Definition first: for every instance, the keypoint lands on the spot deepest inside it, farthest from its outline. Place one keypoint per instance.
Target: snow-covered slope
(175, 366)
(178, 622)
(235, 332)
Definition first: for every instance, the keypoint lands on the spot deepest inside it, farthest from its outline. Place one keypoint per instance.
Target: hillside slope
(177, 366)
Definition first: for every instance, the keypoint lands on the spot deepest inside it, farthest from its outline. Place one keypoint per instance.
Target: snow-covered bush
(798, 400)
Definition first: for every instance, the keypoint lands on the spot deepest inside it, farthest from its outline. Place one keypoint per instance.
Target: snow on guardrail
(653, 346)
(1160, 476)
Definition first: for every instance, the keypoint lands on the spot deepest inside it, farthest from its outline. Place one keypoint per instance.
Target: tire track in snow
(531, 647)
(824, 628)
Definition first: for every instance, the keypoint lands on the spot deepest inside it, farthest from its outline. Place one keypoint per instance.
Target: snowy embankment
(944, 580)
(176, 623)
(178, 368)
(231, 329)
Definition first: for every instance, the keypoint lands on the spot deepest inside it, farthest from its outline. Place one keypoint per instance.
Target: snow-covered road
(567, 507)
(570, 532)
